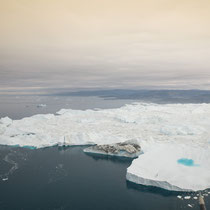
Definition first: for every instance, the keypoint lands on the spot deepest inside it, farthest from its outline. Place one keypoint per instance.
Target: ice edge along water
(166, 134)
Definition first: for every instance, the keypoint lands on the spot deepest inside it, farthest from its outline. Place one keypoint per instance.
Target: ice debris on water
(41, 105)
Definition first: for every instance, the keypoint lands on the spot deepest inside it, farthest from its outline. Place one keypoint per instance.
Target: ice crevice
(166, 134)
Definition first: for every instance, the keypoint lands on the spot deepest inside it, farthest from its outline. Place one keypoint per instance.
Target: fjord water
(67, 178)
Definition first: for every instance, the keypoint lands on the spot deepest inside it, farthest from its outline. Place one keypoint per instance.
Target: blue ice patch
(187, 162)
(29, 147)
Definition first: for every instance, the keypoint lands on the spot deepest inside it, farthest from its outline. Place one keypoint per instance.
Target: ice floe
(129, 149)
(41, 105)
(187, 197)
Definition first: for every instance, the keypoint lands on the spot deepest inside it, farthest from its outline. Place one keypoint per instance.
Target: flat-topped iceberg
(164, 132)
(172, 167)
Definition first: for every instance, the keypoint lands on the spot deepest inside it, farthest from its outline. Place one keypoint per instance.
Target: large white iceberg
(172, 167)
(166, 133)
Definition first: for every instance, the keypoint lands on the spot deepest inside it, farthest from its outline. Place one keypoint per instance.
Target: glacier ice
(166, 134)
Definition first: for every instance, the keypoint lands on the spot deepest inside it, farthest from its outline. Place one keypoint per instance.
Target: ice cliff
(166, 133)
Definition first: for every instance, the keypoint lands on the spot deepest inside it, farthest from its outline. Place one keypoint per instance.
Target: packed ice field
(174, 139)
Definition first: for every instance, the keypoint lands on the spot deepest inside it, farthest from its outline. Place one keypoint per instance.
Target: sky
(102, 44)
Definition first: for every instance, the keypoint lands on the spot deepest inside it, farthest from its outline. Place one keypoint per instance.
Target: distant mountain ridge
(153, 96)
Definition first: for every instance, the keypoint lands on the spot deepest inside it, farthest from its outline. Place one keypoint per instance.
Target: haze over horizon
(100, 44)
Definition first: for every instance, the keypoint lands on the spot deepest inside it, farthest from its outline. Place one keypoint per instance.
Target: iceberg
(168, 135)
(129, 149)
(41, 105)
(161, 167)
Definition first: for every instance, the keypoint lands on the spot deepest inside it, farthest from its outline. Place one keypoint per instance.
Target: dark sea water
(57, 178)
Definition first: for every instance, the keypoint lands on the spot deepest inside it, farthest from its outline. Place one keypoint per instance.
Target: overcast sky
(105, 44)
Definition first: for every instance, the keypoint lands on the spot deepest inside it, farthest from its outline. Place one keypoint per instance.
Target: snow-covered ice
(159, 167)
(166, 133)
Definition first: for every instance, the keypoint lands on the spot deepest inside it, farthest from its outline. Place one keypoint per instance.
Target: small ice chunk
(195, 197)
(187, 197)
(189, 205)
(5, 179)
(179, 196)
(41, 105)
